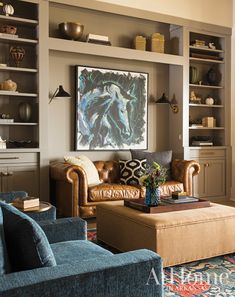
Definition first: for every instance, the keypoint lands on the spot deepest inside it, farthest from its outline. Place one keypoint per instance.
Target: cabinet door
(23, 177)
(211, 180)
(215, 178)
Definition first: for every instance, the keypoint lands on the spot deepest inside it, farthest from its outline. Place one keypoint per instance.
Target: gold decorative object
(17, 54)
(8, 85)
(209, 122)
(71, 30)
(8, 9)
(140, 43)
(157, 43)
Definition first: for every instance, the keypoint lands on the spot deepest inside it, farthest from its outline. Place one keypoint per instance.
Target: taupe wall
(209, 11)
(61, 118)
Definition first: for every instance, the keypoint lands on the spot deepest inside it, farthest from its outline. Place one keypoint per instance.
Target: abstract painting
(111, 109)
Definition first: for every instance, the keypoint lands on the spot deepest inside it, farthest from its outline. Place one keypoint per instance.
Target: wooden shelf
(58, 44)
(206, 105)
(18, 124)
(206, 49)
(18, 40)
(20, 150)
(16, 20)
(206, 128)
(206, 60)
(17, 94)
(205, 86)
(18, 69)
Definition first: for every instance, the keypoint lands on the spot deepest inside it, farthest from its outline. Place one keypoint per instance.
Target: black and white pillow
(131, 170)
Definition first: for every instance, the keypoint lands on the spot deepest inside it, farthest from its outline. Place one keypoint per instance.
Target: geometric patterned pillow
(131, 170)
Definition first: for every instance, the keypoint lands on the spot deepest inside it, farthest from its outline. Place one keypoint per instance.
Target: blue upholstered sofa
(82, 267)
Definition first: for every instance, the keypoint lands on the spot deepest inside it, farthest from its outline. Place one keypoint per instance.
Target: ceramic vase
(8, 9)
(152, 196)
(25, 111)
(213, 76)
(193, 75)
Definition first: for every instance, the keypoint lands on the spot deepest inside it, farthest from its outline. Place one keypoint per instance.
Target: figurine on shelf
(212, 45)
(8, 9)
(209, 101)
(8, 85)
(194, 99)
(17, 54)
(2, 143)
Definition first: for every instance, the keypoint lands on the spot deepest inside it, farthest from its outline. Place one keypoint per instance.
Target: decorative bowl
(71, 30)
(8, 29)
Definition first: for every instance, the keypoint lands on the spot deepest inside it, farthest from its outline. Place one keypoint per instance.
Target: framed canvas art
(111, 109)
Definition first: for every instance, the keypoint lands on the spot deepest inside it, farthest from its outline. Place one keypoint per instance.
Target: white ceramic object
(8, 9)
(209, 101)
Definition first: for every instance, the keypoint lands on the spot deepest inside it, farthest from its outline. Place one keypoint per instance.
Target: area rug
(213, 277)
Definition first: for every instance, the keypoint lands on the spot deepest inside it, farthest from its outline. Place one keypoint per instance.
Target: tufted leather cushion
(105, 192)
(108, 171)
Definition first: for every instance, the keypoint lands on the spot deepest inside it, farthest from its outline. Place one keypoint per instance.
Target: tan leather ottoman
(179, 237)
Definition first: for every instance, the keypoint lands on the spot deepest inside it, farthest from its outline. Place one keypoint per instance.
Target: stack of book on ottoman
(26, 203)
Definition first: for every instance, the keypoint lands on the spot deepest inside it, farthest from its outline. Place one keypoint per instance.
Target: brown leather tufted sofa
(72, 196)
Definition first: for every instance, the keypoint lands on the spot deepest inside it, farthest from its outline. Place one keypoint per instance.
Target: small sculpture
(194, 99)
(212, 45)
(209, 101)
(8, 85)
(17, 54)
(2, 143)
(8, 9)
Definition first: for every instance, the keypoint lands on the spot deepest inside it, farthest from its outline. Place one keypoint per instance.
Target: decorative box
(157, 43)
(209, 122)
(140, 43)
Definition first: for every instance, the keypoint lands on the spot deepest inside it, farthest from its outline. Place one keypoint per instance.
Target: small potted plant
(154, 176)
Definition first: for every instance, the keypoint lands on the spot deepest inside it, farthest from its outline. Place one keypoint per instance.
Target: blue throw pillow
(26, 242)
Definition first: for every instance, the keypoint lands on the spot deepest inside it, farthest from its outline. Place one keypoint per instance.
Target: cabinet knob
(4, 173)
(207, 165)
(10, 173)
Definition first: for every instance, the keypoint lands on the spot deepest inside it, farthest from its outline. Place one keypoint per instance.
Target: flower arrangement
(154, 176)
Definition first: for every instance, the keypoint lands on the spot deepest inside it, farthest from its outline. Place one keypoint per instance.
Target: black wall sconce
(173, 103)
(59, 93)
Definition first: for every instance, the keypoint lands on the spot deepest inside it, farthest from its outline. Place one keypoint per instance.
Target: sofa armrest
(65, 229)
(127, 274)
(183, 171)
(68, 181)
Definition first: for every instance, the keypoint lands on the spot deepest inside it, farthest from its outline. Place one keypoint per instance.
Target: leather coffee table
(179, 236)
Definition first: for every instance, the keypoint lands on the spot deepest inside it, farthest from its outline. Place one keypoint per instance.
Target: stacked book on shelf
(98, 39)
(26, 203)
(6, 121)
(13, 36)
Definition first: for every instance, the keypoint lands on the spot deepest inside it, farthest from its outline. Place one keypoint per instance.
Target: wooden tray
(164, 207)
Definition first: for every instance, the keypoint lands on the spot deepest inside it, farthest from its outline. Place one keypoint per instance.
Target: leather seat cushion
(171, 186)
(104, 192)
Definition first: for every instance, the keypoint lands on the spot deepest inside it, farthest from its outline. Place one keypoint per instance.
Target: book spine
(97, 37)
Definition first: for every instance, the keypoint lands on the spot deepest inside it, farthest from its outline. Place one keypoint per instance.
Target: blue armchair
(84, 268)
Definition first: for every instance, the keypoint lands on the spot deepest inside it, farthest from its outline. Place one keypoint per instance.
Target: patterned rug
(213, 277)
